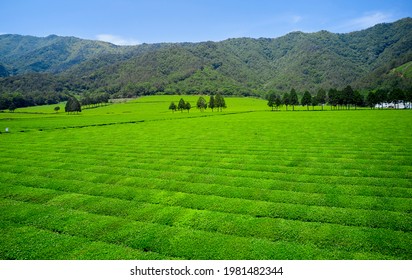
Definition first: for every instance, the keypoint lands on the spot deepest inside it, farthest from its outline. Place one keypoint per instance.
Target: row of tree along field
(340, 99)
(337, 99)
(86, 100)
(217, 102)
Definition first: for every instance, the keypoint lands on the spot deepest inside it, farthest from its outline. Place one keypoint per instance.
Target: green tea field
(136, 181)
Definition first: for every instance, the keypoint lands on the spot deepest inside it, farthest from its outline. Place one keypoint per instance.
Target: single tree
(371, 99)
(306, 100)
(12, 107)
(348, 97)
(286, 100)
(271, 100)
(220, 102)
(315, 102)
(293, 98)
(201, 104)
(57, 109)
(172, 106)
(182, 105)
(358, 99)
(333, 97)
(188, 106)
(278, 102)
(212, 102)
(339, 99)
(72, 105)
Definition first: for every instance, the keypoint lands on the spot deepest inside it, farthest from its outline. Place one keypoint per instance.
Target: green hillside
(404, 71)
(300, 60)
(26, 54)
(239, 66)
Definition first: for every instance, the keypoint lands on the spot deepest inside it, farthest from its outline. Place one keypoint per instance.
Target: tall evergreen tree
(358, 99)
(286, 100)
(293, 98)
(188, 106)
(315, 102)
(306, 100)
(278, 102)
(172, 106)
(182, 105)
(333, 98)
(212, 102)
(201, 104)
(371, 99)
(339, 99)
(220, 102)
(348, 96)
(271, 100)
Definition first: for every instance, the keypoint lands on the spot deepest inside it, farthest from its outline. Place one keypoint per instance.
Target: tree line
(215, 102)
(88, 100)
(19, 100)
(94, 99)
(339, 99)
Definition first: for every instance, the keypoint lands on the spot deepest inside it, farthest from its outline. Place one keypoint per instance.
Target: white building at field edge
(400, 105)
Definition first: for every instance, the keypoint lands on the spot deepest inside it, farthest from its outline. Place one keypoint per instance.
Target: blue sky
(152, 21)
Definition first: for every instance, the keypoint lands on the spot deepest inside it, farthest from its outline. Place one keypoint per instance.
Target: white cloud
(117, 40)
(366, 21)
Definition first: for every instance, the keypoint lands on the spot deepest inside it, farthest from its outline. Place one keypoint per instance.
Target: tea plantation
(137, 181)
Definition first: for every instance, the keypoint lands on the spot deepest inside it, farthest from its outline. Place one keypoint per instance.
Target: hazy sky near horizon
(130, 22)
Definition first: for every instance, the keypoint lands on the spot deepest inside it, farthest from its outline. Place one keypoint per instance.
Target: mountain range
(372, 58)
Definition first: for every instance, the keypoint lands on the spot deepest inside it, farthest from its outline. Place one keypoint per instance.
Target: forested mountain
(242, 66)
(26, 54)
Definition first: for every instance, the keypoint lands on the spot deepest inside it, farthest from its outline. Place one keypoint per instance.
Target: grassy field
(136, 181)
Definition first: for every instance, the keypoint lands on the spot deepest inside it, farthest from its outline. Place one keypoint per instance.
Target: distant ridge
(241, 66)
